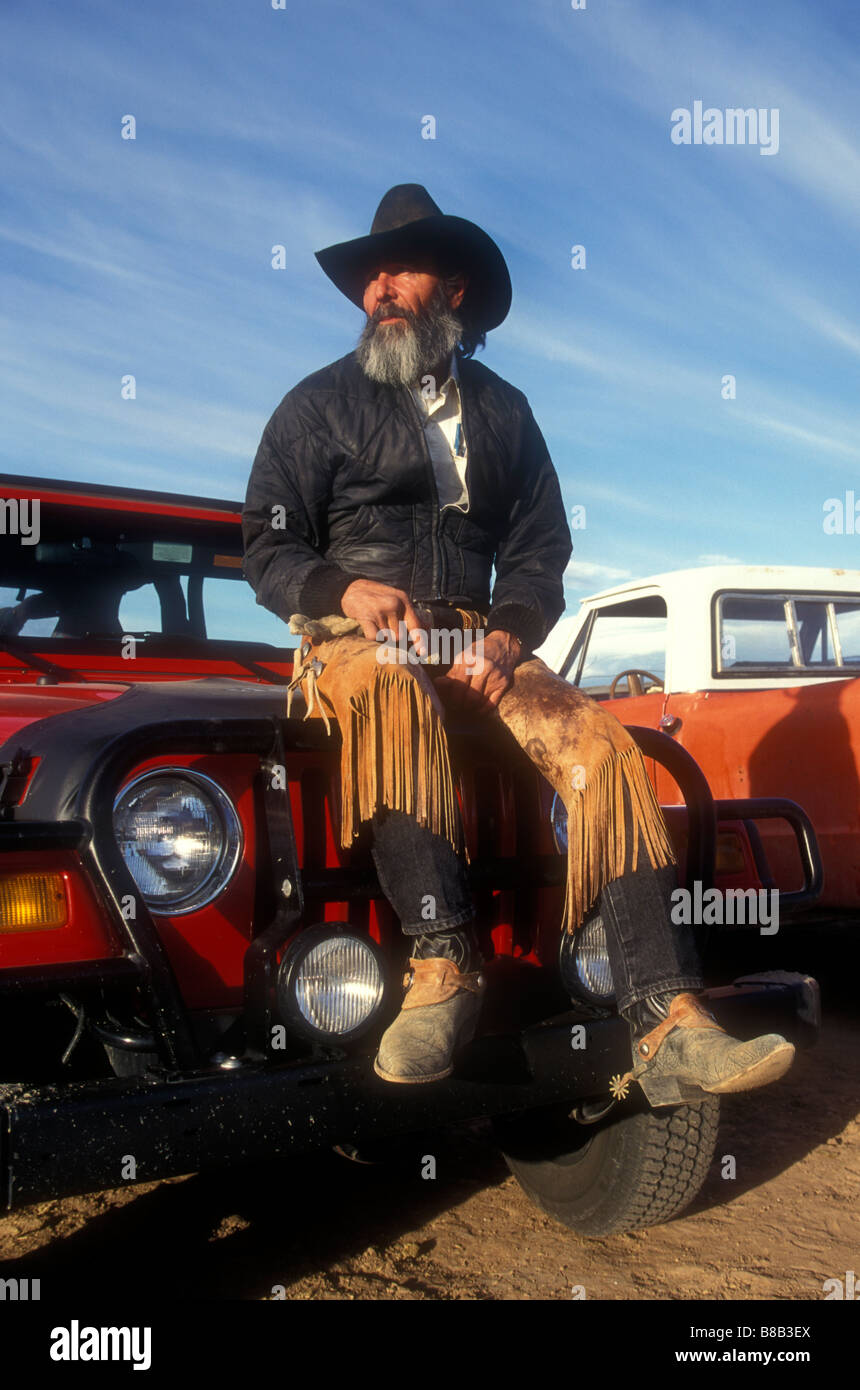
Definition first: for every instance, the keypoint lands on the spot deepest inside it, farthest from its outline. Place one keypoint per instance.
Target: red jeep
(193, 972)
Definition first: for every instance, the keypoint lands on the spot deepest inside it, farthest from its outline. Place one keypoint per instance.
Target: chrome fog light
(331, 982)
(584, 962)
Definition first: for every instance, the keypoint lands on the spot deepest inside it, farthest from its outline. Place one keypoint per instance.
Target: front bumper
(63, 1140)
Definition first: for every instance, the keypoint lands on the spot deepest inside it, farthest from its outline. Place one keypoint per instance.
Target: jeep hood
(71, 739)
(21, 705)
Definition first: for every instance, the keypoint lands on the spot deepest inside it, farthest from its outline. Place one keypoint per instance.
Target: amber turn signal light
(32, 902)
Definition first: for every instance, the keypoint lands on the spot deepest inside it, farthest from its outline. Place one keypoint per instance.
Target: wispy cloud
(579, 571)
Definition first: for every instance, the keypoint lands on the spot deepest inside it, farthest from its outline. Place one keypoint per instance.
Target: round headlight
(331, 983)
(180, 837)
(584, 961)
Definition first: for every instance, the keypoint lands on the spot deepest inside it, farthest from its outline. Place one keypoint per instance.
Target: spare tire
(636, 1168)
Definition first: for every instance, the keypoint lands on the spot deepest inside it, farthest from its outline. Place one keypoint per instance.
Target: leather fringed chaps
(589, 758)
(395, 754)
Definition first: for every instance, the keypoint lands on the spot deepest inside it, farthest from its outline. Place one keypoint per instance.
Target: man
(385, 489)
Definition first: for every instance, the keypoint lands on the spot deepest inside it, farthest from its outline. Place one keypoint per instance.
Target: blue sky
(258, 127)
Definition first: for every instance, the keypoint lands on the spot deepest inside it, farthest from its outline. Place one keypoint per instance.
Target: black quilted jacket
(342, 487)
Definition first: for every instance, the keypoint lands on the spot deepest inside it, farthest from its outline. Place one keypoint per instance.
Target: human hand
(378, 607)
(480, 675)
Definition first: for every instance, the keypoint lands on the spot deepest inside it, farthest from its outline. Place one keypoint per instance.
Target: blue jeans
(425, 881)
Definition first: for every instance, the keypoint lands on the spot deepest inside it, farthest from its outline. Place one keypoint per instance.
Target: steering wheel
(634, 684)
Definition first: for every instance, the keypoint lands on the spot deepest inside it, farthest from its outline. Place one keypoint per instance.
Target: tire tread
(661, 1156)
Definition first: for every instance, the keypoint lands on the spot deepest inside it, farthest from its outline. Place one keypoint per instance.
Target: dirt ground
(329, 1228)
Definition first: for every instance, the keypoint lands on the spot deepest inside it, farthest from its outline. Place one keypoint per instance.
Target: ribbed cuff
(526, 624)
(323, 590)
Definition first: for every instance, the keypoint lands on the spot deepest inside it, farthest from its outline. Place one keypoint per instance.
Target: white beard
(400, 354)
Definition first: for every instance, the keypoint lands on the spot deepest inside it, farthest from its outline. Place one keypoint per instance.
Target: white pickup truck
(754, 670)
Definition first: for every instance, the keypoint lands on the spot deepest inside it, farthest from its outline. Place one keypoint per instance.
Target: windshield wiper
(38, 663)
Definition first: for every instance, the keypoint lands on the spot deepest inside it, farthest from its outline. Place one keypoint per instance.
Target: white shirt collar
(453, 375)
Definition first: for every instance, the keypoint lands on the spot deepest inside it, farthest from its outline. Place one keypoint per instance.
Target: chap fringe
(597, 850)
(395, 754)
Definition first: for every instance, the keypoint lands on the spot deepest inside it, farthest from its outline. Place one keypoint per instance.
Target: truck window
(848, 630)
(623, 635)
(769, 633)
(753, 632)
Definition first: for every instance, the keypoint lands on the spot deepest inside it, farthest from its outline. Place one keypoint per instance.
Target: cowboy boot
(439, 1014)
(679, 1051)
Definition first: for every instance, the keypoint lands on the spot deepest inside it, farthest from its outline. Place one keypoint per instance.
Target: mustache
(392, 312)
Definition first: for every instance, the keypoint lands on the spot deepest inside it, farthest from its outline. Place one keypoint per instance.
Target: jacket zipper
(466, 440)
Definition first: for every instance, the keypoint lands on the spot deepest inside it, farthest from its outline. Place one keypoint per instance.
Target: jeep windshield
(107, 574)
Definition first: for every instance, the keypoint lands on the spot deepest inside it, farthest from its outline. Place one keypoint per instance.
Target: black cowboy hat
(408, 222)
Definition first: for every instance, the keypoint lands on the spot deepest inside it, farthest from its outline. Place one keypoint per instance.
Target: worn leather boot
(679, 1051)
(444, 989)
